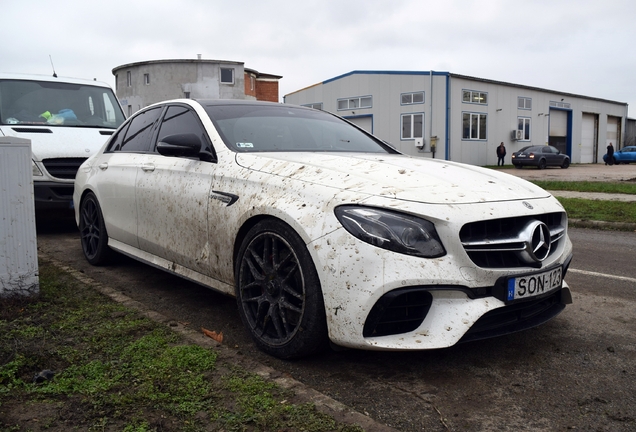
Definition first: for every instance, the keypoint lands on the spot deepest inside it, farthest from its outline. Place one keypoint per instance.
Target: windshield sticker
(244, 145)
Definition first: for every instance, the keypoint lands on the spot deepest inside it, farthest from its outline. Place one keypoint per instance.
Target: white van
(66, 119)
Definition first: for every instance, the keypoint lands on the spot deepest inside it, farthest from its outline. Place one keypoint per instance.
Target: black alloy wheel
(565, 164)
(542, 164)
(278, 292)
(93, 234)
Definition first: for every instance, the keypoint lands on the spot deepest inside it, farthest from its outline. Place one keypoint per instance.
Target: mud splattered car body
(322, 231)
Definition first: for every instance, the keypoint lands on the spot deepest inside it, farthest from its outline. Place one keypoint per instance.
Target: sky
(585, 47)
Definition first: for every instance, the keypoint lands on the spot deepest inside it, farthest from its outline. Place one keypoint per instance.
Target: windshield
(58, 104)
(283, 128)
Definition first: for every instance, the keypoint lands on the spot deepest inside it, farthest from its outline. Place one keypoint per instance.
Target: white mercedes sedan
(323, 232)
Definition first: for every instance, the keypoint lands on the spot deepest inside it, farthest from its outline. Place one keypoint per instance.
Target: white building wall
(444, 108)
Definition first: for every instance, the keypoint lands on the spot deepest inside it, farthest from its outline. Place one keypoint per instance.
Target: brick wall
(266, 91)
(248, 85)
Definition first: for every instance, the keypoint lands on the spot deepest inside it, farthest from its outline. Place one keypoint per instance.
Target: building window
(524, 103)
(227, 76)
(524, 125)
(128, 79)
(186, 95)
(317, 105)
(356, 102)
(412, 126)
(252, 82)
(412, 98)
(474, 126)
(129, 109)
(471, 96)
(147, 79)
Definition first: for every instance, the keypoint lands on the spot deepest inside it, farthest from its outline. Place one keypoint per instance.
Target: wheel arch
(254, 219)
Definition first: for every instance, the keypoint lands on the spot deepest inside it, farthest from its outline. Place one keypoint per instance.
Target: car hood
(395, 176)
(60, 142)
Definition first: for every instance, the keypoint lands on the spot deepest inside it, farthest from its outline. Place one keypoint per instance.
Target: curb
(610, 226)
(303, 393)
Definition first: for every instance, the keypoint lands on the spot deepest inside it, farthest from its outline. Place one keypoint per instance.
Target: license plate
(522, 287)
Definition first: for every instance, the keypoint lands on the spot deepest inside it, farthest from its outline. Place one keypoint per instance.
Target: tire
(278, 292)
(93, 234)
(565, 164)
(542, 164)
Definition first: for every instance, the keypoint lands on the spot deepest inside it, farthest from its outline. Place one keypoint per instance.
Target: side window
(179, 120)
(116, 140)
(139, 132)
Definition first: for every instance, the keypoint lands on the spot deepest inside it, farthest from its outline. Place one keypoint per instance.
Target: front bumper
(462, 300)
(53, 195)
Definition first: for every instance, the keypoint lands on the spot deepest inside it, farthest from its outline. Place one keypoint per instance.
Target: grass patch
(608, 211)
(587, 186)
(113, 369)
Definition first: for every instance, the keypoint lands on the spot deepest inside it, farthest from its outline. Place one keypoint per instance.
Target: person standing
(610, 155)
(501, 154)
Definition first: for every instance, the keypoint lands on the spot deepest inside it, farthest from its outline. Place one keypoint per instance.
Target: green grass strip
(117, 370)
(595, 210)
(588, 186)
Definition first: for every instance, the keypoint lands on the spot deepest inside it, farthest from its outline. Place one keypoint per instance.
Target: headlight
(396, 232)
(35, 169)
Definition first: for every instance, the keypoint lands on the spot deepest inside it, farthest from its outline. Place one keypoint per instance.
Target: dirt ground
(576, 372)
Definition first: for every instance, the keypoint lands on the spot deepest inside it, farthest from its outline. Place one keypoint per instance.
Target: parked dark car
(540, 156)
(625, 155)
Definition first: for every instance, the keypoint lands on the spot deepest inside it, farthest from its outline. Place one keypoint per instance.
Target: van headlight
(397, 232)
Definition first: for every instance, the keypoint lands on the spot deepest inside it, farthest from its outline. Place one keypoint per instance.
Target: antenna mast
(52, 67)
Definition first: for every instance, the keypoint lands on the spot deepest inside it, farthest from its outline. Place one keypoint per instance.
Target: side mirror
(179, 145)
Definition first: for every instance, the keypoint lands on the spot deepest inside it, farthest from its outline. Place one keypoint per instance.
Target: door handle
(103, 166)
(148, 167)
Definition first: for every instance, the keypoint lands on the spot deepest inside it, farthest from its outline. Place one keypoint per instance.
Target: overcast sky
(586, 47)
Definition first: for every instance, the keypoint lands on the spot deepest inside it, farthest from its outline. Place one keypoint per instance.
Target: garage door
(559, 129)
(612, 131)
(589, 140)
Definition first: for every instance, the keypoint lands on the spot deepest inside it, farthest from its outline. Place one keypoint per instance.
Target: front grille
(63, 168)
(398, 311)
(515, 317)
(497, 244)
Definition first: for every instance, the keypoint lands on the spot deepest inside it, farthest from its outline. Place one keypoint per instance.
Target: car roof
(51, 78)
(234, 102)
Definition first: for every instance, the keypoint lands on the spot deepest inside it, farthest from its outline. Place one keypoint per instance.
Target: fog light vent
(399, 311)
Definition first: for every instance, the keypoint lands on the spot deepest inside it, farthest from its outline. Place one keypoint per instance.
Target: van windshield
(58, 104)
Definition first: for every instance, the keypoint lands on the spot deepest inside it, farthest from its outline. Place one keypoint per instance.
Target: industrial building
(463, 119)
(140, 84)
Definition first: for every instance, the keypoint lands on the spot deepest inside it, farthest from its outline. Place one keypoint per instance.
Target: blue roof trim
(379, 72)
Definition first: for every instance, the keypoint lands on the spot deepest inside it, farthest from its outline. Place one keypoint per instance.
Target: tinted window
(281, 128)
(180, 120)
(117, 139)
(140, 131)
